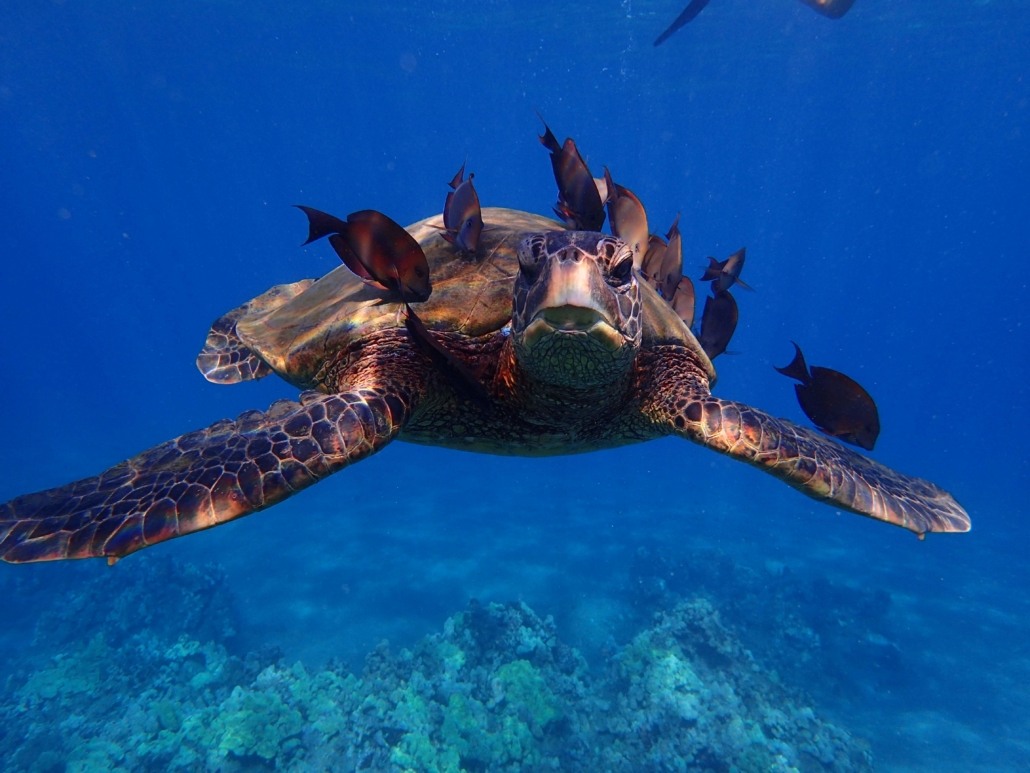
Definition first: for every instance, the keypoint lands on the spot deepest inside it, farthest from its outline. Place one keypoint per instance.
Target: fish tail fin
(321, 223)
(798, 368)
(547, 139)
(714, 270)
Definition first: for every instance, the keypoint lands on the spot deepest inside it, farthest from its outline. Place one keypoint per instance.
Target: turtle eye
(531, 253)
(621, 272)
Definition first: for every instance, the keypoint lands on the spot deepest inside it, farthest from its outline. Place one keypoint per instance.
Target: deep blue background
(876, 168)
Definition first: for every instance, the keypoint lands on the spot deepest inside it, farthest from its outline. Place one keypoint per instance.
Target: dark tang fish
(662, 266)
(831, 8)
(689, 13)
(683, 301)
(671, 270)
(462, 217)
(724, 274)
(835, 403)
(718, 321)
(654, 257)
(579, 203)
(386, 256)
(627, 217)
(375, 248)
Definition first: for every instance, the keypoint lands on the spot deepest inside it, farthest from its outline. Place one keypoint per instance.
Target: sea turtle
(568, 350)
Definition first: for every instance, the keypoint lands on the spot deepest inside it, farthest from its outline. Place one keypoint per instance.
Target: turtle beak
(569, 305)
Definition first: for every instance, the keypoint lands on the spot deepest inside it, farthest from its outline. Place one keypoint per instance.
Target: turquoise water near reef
(875, 167)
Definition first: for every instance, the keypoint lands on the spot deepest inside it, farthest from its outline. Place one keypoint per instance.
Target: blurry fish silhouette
(724, 274)
(689, 13)
(627, 217)
(579, 201)
(462, 216)
(834, 9)
(375, 248)
(835, 403)
(683, 301)
(718, 321)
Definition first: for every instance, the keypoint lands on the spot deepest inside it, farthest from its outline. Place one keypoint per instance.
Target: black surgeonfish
(385, 256)
(683, 301)
(718, 321)
(579, 202)
(462, 215)
(654, 256)
(689, 13)
(671, 270)
(834, 9)
(724, 274)
(375, 248)
(627, 217)
(835, 403)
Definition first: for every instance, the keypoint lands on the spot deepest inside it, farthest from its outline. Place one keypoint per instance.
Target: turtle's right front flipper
(201, 479)
(818, 466)
(809, 461)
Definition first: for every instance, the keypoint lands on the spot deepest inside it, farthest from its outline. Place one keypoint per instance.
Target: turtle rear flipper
(225, 358)
(819, 467)
(201, 479)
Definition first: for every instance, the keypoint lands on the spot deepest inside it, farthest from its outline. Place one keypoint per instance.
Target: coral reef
(796, 625)
(495, 690)
(686, 690)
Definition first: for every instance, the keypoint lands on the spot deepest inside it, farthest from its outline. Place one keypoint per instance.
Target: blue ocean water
(875, 167)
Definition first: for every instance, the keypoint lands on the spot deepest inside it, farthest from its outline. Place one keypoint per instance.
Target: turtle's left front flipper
(201, 479)
(810, 462)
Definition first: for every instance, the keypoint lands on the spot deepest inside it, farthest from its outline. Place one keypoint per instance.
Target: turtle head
(576, 308)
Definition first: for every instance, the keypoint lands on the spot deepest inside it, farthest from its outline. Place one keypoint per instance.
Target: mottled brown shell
(295, 328)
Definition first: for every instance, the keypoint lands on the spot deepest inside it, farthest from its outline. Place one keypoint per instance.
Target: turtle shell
(294, 329)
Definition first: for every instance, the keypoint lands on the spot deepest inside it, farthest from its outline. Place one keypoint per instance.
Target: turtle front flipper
(821, 467)
(812, 463)
(201, 479)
